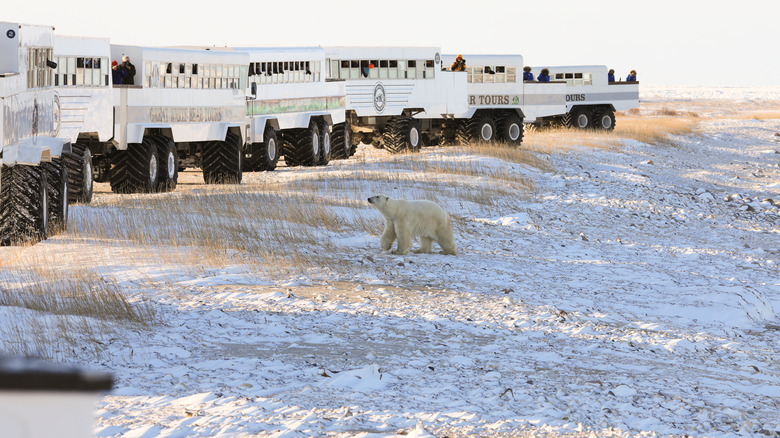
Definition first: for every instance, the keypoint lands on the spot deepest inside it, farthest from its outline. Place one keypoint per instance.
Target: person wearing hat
(116, 73)
(459, 64)
(128, 76)
(527, 75)
(631, 76)
(544, 76)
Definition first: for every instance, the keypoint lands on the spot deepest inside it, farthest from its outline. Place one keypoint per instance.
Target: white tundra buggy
(33, 182)
(397, 98)
(591, 100)
(185, 108)
(499, 101)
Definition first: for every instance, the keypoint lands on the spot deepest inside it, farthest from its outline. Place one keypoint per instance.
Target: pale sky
(669, 42)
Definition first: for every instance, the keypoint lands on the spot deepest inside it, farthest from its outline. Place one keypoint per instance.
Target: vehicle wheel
(449, 132)
(402, 134)
(57, 185)
(354, 142)
(306, 145)
(265, 155)
(340, 141)
(222, 161)
(510, 129)
(168, 164)
(79, 166)
(604, 119)
(136, 169)
(325, 144)
(580, 118)
(24, 204)
(477, 129)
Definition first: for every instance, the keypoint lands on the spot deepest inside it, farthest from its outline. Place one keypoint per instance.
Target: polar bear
(406, 219)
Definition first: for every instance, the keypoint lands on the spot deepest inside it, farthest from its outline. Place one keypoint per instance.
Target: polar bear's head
(378, 201)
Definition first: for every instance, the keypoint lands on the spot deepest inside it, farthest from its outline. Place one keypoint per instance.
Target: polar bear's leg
(426, 245)
(388, 236)
(403, 232)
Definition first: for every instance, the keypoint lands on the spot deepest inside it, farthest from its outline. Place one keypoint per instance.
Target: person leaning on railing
(459, 64)
(544, 76)
(527, 75)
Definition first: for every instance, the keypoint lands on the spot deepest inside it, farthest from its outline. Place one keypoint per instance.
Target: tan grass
(768, 115)
(60, 311)
(79, 292)
(654, 130)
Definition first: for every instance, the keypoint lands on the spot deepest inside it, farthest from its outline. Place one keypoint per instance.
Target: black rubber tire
(325, 143)
(265, 155)
(168, 164)
(480, 128)
(222, 161)
(80, 178)
(579, 118)
(136, 169)
(449, 132)
(340, 141)
(57, 185)
(402, 134)
(604, 118)
(304, 149)
(510, 129)
(24, 204)
(354, 142)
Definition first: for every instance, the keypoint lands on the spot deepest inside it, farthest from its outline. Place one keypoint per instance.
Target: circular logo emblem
(437, 58)
(10, 33)
(57, 114)
(379, 98)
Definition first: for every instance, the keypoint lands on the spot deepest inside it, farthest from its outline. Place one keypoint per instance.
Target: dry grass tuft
(654, 130)
(57, 311)
(768, 115)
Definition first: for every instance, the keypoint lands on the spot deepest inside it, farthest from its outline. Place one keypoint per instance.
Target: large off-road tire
(325, 144)
(265, 155)
(340, 141)
(24, 204)
(604, 118)
(222, 161)
(402, 134)
(579, 118)
(449, 132)
(354, 142)
(481, 128)
(510, 129)
(304, 148)
(80, 180)
(57, 185)
(135, 169)
(167, 162)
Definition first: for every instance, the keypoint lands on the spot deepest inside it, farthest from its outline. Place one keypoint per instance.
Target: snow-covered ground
(634, 292)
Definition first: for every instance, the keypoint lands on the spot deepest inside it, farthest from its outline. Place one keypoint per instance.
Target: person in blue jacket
(544, 76)
(611, 75)
(527, 75)
(117, 74)
(631, 76)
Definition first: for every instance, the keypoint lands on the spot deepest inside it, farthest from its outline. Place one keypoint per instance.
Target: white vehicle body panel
(191, 114)
(27, 117)
(290, 101)
(592, 87)
(506, 89)
(433, 92)
(85, 105)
